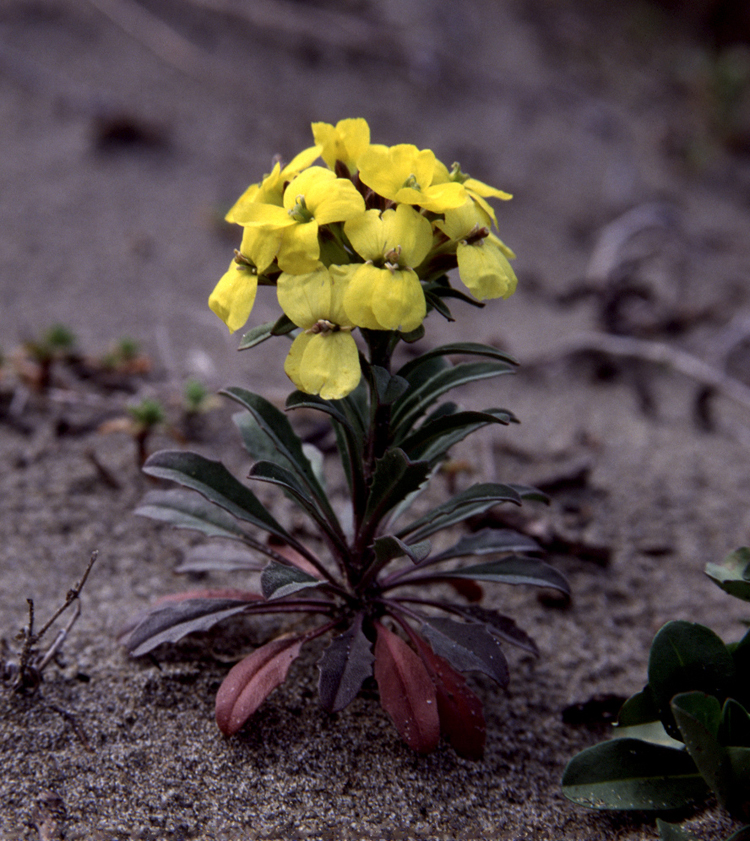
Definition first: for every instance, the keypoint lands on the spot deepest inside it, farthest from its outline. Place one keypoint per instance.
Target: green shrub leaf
(631, 774)
(733, 573)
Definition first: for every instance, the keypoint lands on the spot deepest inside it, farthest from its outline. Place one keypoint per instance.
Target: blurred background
(128, 127)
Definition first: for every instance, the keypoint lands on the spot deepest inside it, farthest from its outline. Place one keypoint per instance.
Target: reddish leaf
(293, 556)
(252, 680)
(467, 588)
(461, 714)
(406, 692)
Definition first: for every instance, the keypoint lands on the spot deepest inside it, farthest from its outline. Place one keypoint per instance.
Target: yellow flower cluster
(354, 244)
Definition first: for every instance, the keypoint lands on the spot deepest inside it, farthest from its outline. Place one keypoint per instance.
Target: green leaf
(175, 620)
(698, 716)
(685, 657)
(474, 500)
(434, 438)
(467, 647)
(486, 542)
(259, 334)
(513, 570)
(416, 401)
(631, 774)
(394, 478)
(734, 729)
(456, 348)
(275, 474)
(344, 666)
(733, 573)
(276, 426)
(388, 387)
(279, 580)
(673, 832)
(213, 481)
(188, 511)
(389, 547)
(640, 708)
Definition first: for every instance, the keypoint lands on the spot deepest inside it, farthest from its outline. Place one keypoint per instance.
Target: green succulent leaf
(631, 774)
(417, 400)
(687, 657)
(172, 621)
(213, 481)
(279, 580)
(640, 708)
(474, 500)
(467, 647)
(187, 511)
(734, 729)
(344, 666)
(673, 832)
(698, 716)
(733, 573)
(513, 570)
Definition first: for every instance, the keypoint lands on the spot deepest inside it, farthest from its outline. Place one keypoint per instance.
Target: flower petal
(399, 302)
(330, 365)
(346, 142)
(485, 271)
(305, 298)
(234, 295)
(299, 251)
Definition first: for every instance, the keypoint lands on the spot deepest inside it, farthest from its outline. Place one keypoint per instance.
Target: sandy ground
(122, 143)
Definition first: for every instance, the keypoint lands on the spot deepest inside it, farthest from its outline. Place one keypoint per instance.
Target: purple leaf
(497, 624)
(468, 647)
(182, 614)
(252, 680)
(344, 666)
(461, 714)
(406, 692)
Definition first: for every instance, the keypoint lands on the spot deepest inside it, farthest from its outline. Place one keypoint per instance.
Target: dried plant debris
(25, 675)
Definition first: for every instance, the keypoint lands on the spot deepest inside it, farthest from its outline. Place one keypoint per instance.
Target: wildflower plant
(358, 248)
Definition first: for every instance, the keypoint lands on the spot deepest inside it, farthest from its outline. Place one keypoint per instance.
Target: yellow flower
(271, 188)
(347, 141)
(323, 359)
(404, 174)
(234, 295)
(482, 258)
(385, 293)
(478, 190)
(315, 197)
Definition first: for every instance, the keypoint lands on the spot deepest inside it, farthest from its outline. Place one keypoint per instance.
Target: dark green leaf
(640, 708)
(171, 622)
(698, 716)
(684, 657)
(395, 477)
(417, 400)
(734, 729)
(188, 511)
(467, 647)
(513, 570)
(424, 369)
(219, 558)
(388, 387)
(738, 776)
(434, 438)
(456, 348)
(496, 623)
(276, 426)
(673, 832)
(280, 327)
(733, 573)
(474, 500)
(300, 400)
(435, 302)
(414, 335)
(529, 494)
(741, 655)
(278, 580)
(388, 547)
(631, 774)
(213, 481)
(344, 666)
(486, 542)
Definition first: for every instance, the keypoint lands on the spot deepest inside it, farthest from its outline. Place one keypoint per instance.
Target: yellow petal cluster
(362, 242)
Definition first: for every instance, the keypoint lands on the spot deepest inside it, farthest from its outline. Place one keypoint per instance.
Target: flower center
(412, 183)
(323, 326)
(299, 212)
